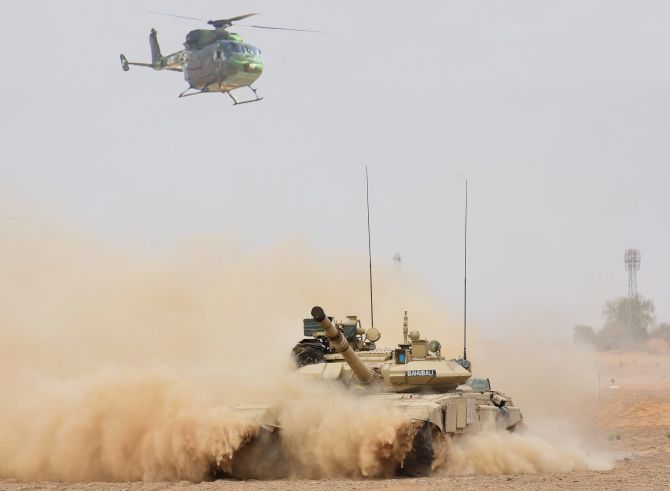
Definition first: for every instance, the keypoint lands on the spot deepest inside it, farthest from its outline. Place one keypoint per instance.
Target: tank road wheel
(263, 458)
(260, 458)
(419, 461)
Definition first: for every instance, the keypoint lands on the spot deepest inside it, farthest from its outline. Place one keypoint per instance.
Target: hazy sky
(558, 114)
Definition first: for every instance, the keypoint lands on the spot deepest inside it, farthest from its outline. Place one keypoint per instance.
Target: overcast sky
(558, 114)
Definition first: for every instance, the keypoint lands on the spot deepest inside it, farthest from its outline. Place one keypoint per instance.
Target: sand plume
(521, 452)
(121, 366)
(331, 433)
(120, 427)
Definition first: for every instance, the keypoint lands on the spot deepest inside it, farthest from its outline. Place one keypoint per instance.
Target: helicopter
(213, 60)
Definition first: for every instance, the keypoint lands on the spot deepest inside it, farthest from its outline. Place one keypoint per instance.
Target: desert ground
(632, 421)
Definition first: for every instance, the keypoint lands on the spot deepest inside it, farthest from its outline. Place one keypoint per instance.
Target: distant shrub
(628, 323)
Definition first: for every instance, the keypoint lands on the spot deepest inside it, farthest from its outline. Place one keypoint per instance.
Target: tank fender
(509, 417)
(422, 411)
(262, 415)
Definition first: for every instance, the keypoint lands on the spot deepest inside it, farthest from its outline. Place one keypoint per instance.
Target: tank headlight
(498, 400)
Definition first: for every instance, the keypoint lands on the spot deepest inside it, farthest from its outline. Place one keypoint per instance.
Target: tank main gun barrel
(341, 345)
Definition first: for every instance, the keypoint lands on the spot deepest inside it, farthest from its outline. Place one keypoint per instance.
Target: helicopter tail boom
(125, 64)
(173, 62)
(157, 60)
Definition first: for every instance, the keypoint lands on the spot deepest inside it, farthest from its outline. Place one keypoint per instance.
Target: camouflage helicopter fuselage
(222, 66)
(213, 60)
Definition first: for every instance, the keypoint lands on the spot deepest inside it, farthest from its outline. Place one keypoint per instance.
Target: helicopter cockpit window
(252, 50)
(232, 48)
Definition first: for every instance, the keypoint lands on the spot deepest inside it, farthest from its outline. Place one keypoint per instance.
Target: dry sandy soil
(633, 422)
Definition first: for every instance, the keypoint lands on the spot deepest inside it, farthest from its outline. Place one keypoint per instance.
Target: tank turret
(340, 345)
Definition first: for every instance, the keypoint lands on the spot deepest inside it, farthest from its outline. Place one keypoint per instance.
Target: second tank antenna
(367, 202)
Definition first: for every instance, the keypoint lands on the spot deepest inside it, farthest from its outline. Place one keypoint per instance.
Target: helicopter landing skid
(191, 91)
(236, 102)
(197, 92)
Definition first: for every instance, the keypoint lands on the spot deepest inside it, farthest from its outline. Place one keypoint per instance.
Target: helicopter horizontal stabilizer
(125, 64)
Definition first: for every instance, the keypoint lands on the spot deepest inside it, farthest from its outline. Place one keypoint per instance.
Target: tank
(438, 395)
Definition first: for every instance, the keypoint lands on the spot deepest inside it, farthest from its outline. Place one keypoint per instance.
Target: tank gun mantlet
(358, 338)
(316, 347)
(340, 345)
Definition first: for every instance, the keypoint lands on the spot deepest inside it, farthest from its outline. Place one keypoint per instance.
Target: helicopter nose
(253, 67)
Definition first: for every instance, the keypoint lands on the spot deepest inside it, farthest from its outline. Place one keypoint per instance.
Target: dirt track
(646, 467)
(633, 422)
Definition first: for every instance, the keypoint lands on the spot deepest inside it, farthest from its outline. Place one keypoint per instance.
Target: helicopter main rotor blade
(223, 23)
(241, 17)
(173, 15)
(228, 22)
(284, 28)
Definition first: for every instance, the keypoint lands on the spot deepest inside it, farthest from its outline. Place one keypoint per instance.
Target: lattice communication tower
(632, 259)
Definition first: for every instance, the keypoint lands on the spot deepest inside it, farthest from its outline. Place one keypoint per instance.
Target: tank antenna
(367, 201)
(404, 328)
(465, 277)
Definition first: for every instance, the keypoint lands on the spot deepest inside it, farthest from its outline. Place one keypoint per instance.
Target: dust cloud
(555, 384)
(341, 435)
(525, 452)
(120, 427)
(119, 367)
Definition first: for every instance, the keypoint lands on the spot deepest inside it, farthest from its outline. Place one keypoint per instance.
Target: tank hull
(434, 397)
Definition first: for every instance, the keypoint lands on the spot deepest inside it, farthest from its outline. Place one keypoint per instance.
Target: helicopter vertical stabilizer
(156, 56)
